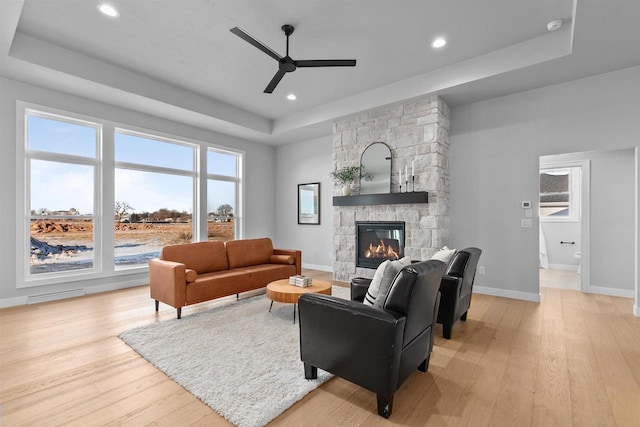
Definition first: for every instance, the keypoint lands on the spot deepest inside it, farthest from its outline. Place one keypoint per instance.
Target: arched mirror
(376, 165)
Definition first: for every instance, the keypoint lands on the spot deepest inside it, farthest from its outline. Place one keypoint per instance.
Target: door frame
(585, 213)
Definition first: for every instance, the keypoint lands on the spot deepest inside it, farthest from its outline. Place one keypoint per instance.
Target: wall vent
(34, 299)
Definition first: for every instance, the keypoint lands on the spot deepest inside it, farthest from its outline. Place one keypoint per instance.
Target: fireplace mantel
(382, 199)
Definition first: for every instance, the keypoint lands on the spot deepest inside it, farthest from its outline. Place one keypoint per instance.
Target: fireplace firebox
(378, 242)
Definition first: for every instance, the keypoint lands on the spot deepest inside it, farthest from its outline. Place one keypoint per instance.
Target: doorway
(564, 207)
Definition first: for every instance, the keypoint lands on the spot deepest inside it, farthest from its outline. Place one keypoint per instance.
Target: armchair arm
(359, 288)
(168, 282)
(354, 341)
(296, 254)
(450, 287)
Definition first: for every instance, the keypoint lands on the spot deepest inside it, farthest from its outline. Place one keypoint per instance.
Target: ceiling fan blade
(327, 63)
(274, 81)
(252, 40)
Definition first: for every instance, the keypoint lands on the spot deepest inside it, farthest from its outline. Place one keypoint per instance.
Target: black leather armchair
(369, 346)
(456, 288)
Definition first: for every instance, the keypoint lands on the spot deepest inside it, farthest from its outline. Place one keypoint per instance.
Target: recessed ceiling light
(439, 42)
(108, 10)
(291, 97)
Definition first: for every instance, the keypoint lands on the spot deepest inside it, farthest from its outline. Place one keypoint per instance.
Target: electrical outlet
(481, 269)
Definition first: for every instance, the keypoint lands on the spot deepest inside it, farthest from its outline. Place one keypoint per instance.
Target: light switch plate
(528, 213)
(527, 222)
(526, 204)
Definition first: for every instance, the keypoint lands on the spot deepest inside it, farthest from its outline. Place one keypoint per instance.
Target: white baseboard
(328, 268)
(37, 298)
(506, 293)
(636, 311)
(13, 302)
(612, 292)
(116, 285)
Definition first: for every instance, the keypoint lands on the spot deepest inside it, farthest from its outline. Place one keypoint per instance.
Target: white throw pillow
(391, 269)
(374, 287)
(445, 254)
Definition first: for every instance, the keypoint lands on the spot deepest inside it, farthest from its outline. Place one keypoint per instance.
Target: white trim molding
(507, 293)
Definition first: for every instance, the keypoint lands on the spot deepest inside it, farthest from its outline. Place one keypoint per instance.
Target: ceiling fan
(287, 64)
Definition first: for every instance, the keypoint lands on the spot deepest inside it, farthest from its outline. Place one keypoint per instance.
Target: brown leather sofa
(197, 272)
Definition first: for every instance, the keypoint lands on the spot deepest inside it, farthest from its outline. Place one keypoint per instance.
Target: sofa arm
(296, 254)
(168, 282)
(354, 341)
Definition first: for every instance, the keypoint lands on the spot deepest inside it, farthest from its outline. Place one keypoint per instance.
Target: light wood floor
(571, 360)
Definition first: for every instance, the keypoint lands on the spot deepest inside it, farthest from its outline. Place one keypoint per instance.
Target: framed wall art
(309, 203)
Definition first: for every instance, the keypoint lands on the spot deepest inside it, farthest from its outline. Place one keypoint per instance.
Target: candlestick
(406, 185)
(400, 177)
(406, 173)
(413, 183)
(413, 172)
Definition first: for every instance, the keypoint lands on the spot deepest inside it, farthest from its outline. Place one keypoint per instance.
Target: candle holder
(400, 188)
(413, 183)
(406, 186)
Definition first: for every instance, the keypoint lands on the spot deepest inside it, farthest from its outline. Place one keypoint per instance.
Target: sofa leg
(446, 331)
(310, 372)
(464, 316)
(237, 297)
(384, 406)
(424, 365)
(179, 309)
(157, 305)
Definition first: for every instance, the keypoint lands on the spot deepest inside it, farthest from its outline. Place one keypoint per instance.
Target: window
(99, 199)
(222, 194)
(61, 162)
(154, 197)
(559, 194)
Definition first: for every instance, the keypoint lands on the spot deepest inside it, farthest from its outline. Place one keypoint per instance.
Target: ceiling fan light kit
(286, 63)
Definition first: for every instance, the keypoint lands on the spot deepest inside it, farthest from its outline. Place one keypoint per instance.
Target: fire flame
(381, 251)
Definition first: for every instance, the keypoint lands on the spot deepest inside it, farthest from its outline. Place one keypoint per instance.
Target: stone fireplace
(415, 131)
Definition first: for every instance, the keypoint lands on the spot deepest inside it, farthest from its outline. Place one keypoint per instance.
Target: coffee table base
(282, 291)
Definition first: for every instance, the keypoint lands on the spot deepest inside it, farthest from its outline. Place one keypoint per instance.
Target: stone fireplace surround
(416, 130)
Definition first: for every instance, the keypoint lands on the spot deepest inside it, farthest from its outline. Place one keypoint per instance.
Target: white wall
(494, 156)
(301, 163)
(259, 179)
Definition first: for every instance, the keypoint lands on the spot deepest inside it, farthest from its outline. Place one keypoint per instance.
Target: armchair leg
(464, 316)
(157, 305)
(310, 372)
(424, 365)
(179, 310)
(446, 331)
(384, 406)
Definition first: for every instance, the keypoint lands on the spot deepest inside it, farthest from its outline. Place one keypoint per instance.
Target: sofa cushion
(445, 254)
(243, 253)
(382, 278)
(203, 257)
(282, 259)
(218, 284)
(262, 275)
(393, 268)
(374, 287)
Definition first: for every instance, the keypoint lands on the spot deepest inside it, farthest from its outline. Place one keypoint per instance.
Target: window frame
(141, 167)
(574, 192)
(104, 192)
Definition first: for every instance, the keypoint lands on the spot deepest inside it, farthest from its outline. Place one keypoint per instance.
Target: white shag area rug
(240, 359)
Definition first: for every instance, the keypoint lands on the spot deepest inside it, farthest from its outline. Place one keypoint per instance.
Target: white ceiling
(177, 58)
